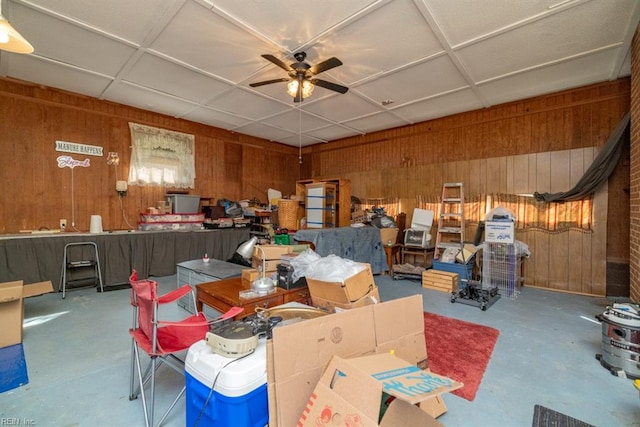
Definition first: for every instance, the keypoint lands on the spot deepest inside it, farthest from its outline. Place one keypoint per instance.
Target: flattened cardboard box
(356, 391)
(298, 352)
(12, 296)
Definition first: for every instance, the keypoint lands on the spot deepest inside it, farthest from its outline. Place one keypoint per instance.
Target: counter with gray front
(36, 258)
(362, 244)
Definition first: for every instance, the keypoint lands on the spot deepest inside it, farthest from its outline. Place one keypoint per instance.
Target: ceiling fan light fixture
(11, 40)
(307, 88)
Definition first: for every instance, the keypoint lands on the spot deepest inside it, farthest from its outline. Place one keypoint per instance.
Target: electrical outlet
(63, 224)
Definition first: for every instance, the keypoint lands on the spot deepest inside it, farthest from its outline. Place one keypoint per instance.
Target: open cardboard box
(330, 306)
(298, 352)
(352, 289)
(12, 296)
(374, 390)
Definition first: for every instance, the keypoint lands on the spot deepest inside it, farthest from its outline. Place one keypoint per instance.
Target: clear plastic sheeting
(331, 268)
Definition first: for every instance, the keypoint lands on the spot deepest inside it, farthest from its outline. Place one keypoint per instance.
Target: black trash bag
(383, 221)
(231, 209)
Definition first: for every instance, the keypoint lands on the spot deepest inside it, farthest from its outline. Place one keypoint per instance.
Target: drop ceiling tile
(566, 34)
(174, 79)
(214, 117)
(120, 18)
(211, 43)
(390, 37)
(71, 44)
(294, 120)
(575, 73)
(470, 19)
(129, 94)
(440, 106)
(376, 122)
(420, 81)
(331, 133)
(292, 23)
(33, 69)
(341, 108)
(246, 104)
(264, 131)
(298, 141)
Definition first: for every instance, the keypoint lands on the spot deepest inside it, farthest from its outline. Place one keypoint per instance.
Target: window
(530, 214)
(161, 157)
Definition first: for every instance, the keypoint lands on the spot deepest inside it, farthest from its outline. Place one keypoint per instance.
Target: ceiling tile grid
(403, 61)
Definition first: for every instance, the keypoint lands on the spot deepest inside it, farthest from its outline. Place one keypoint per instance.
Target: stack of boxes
(267, 257)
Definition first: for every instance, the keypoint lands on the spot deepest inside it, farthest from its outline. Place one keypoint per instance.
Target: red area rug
(459, 350)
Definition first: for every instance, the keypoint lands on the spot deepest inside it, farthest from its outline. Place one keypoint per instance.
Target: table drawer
(298, 295)
(266, 302)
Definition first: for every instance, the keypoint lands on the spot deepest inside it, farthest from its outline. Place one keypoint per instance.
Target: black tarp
(599, 171)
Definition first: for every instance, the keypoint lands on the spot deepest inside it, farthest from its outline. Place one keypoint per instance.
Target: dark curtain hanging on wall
(599, 171)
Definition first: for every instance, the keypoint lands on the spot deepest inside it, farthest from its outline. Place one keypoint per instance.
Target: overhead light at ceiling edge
(11, 40)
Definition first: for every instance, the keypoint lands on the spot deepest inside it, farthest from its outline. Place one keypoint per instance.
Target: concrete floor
(78, 358)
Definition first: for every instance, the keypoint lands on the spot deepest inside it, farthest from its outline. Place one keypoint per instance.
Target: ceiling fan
(302, 76)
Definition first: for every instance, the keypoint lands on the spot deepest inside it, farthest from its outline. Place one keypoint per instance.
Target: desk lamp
(264, 284)
(242, 255)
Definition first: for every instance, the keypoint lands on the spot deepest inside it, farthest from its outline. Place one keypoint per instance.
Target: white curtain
(161, 157)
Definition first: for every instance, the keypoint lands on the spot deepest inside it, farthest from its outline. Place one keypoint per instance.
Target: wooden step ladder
(450, 219)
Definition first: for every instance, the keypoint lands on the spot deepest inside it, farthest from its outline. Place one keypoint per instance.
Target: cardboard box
(269, 265)
(271, 252)
(388, 235)
(499, 232)
(12, 296)
(298, 352)
(351, 290)
(250, 274)
(440, 280)
(357, 390)
(371, 298)
(466, 254)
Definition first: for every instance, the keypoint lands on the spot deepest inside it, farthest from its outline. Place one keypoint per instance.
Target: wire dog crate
(501, 268)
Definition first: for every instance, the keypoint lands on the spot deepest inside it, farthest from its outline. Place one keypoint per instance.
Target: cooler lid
(237, 376)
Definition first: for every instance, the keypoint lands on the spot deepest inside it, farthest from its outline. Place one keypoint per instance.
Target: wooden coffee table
(222, 295)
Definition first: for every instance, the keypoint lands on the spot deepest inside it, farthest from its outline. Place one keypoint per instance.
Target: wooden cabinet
(342, 197)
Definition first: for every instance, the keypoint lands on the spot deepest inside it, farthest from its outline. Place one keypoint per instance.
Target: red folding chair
(159, 339)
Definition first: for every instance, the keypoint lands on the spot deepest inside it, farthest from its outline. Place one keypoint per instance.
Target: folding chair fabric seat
(160, 340)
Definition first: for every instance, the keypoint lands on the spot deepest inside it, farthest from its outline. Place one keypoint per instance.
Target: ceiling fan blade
(331, 86)
(276, 61)
(325, 65)
(268, 82)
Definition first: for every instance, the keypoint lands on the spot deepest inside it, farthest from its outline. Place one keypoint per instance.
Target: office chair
(159, 339)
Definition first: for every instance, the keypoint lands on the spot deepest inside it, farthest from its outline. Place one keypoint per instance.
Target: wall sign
(72, 147)
(70, 162)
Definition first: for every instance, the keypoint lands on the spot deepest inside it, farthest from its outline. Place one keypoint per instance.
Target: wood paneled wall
(37, 193)
(541, 144)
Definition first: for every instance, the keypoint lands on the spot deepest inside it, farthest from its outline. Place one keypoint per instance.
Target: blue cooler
(239, 397)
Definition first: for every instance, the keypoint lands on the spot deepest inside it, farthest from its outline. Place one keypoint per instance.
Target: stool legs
(66, 265)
